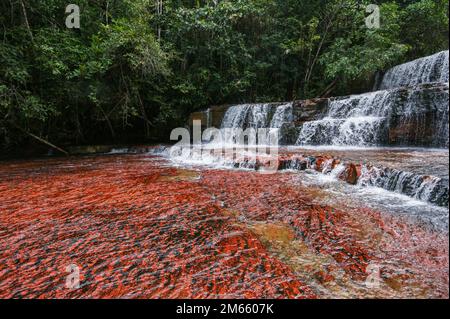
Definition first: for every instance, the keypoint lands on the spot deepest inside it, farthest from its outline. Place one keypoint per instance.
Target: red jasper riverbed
(138, 228)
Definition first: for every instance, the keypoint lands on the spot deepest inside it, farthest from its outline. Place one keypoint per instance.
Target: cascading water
(426, 111)
(434, 68)
(257, 116)
(410, 109)
(235, 116)
(234, 119)
(235, 148)
(282, 115)
(358, 120)
(425, 188)
(415, 116)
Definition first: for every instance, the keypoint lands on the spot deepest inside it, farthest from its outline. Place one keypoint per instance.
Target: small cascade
(421, 117)
(234, 120)
(259, 116)
(359, 120)
(283, 115)
(426, 188)
(282, 118)
(410, 108)
(236, 116)
(434, 68)
(405, 117)
(255, 116)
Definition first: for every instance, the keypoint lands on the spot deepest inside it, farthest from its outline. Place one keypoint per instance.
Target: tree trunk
(327, 92)
(43, 141)
(25, 18)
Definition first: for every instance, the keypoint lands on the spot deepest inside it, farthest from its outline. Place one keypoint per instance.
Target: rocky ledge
(425, 188)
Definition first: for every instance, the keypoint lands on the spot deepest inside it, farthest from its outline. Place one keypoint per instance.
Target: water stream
(409, 109)
(357, 209)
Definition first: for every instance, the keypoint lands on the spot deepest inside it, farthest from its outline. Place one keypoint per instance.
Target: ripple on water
(139, 228)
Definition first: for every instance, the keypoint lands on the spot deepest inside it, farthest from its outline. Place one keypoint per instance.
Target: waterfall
(256, 116)
(434, 68)
(358, 120)
(235, 116)
(409, 109)
(426, 188)
(259, 116)
(425, 112)
(234, 120)
(282, 115)
(417, 116)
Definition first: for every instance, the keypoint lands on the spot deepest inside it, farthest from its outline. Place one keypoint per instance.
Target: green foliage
(414, 30)
(364, 51)
(133, 71)
(71, 85)
(424, 26)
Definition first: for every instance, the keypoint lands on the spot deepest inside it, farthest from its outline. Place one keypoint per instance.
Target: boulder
(350, 174)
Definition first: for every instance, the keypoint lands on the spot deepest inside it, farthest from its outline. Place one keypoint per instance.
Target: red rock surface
(138, 228)
(351, 174)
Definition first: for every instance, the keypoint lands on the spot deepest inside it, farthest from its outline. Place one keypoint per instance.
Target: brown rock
(323, 277)
(350, 175)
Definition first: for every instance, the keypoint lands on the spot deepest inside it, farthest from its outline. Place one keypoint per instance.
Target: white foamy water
(361, 124)
(434, 68)
(425, 188)
(267, 116)
(336, 193)
(360, 120)
(364, 120)
(283, 115)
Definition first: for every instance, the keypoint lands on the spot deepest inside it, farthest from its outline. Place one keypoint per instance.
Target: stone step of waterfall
(416, 116)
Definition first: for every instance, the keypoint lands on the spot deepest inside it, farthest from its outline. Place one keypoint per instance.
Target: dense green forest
(136, 68)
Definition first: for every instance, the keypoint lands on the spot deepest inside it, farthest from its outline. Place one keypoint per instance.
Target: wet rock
(147, 233)
(309, 110)
(209, 118)
(426, 188)
(323, 277)
(319, 161)
(426, 121)
(350, 174)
